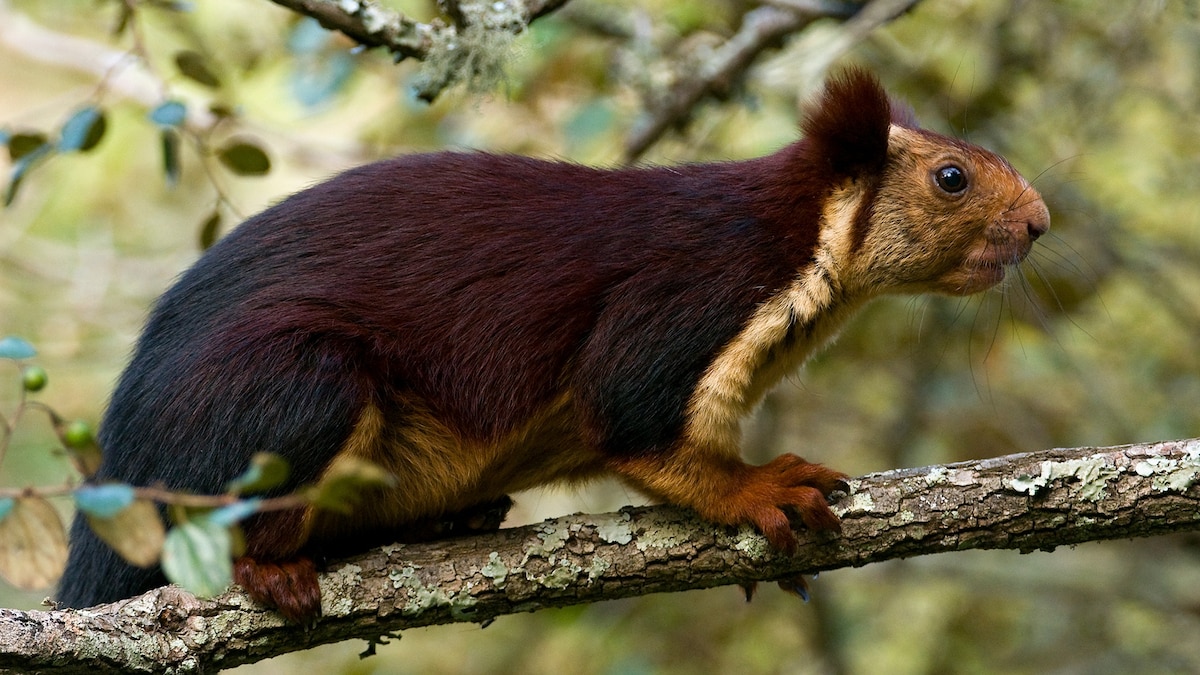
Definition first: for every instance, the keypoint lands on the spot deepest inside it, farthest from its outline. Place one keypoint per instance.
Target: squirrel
(479, 324)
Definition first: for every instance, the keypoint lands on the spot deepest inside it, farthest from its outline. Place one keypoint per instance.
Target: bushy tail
(194, 425)
(96, 575)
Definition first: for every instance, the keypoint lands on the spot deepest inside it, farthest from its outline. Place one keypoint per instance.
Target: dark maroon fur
(290, 585)
(849, 124)
(480, 285)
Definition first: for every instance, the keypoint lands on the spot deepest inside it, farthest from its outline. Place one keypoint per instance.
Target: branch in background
(371, 25)
(762, 28)
(1034, 501)
(820, 55)
(116, 69)
(462, 48)
(465, 44)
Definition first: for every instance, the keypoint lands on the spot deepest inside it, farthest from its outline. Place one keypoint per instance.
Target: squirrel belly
(479, 324)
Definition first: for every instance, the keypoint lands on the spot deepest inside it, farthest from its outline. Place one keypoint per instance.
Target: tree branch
(762, 28)
(372, 25)
(1027, 502)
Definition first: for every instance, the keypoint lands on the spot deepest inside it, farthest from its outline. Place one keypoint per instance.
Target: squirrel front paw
(787, 483)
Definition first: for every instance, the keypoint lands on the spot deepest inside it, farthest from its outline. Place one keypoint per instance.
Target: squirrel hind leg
(276, 570)
(287, 585)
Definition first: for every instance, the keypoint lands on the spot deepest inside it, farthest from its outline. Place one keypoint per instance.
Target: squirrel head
(909, 210)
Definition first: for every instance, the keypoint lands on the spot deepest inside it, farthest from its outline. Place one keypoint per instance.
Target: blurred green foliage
(1098, 344)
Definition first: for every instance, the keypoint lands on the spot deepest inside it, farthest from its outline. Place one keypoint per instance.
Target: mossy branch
(470, 49)
(1034, 501)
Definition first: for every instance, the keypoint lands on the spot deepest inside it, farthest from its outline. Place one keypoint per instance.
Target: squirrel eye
(951, 178)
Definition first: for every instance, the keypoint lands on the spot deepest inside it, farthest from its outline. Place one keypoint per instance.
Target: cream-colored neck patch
(781, 334)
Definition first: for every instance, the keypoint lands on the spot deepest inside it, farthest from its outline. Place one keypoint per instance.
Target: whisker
(916, 310)
(1032, 300)
(1012, 314)
(1044, 171)
(971, 355)
(1041, 173)
(1063, 310)
(1090, 274)
(1064, 313)
(1003, 298)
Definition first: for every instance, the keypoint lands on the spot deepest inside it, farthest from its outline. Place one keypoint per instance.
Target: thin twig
(762, 28)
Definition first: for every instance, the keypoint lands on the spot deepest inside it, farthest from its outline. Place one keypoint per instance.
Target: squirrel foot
(792, 483)
(288, 585)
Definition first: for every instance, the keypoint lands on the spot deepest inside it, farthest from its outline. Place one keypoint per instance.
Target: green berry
(33, 378)
(77, 434)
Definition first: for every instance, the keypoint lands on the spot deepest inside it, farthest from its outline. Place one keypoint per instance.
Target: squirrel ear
(848, 125)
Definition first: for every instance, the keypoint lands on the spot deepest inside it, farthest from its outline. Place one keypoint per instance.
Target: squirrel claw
(796, 585)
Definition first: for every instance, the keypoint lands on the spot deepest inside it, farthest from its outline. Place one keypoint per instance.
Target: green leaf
(104, 501)
(308, 37)
(170, 152)
(346, 482)
(589, 122)
(245, 159)
(169, 114)
(209, 230)
(197, 555)
(85, 459)
(25, 143)
(136, 532)
(14, 184)
(194, 66)
(33, 544)
(13, 347)
(124, 14)
(234, 513)
(316, 80)
(83, 130)
(266, 470)
(221, 110)
(21, 168)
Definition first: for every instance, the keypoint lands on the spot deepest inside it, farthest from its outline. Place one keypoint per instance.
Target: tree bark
(1034, 501)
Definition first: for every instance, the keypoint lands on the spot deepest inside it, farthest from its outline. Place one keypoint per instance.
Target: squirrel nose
(1037, 219)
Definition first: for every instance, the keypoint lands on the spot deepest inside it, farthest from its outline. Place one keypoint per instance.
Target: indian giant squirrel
(479, 324)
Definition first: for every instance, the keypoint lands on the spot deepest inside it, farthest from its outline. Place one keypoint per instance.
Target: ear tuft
(848, 125)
